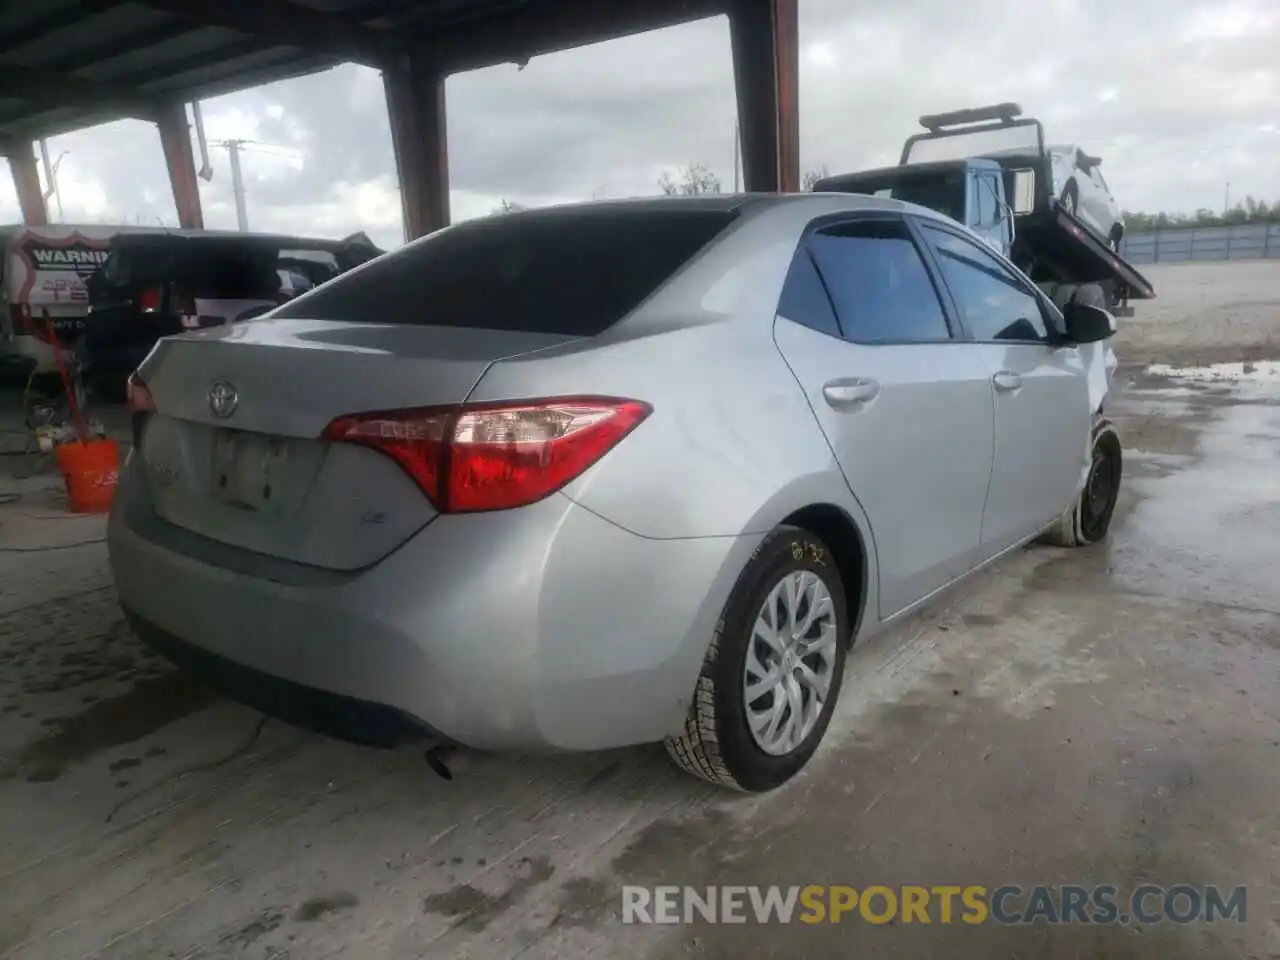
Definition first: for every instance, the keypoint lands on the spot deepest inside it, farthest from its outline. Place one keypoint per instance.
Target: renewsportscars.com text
(943, 904)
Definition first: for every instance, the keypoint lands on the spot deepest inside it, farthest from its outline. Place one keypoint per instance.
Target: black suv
(152, 285)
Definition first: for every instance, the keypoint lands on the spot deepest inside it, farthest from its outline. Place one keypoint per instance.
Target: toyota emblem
(223, 399)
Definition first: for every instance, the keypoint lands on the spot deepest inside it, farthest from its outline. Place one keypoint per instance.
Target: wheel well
(833, 527)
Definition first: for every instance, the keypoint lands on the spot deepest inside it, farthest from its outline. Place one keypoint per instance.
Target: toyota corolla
(606, 474)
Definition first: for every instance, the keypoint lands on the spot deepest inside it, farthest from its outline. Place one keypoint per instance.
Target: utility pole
(237, 183)
(1226, 204)
(737, 162)
(51, 175)
(237, 176)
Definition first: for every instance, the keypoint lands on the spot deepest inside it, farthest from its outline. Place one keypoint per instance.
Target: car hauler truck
(988, 168)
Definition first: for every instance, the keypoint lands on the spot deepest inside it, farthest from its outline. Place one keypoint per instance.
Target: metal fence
(1250, 241)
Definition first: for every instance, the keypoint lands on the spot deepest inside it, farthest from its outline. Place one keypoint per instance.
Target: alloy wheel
(790, 662)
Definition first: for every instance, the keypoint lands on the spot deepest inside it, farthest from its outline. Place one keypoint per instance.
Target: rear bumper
(344, 718)
(540, 628)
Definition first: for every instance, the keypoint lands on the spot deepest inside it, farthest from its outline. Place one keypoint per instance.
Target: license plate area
(251, 471)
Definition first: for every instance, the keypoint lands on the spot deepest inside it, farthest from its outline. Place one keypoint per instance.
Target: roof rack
(1004, 112)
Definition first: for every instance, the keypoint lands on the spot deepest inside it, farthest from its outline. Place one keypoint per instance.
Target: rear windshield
(539, 273)
(215, 270)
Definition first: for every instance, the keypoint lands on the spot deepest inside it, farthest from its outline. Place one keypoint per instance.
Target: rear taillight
(150, 299)
(491, 456)
(138, 396)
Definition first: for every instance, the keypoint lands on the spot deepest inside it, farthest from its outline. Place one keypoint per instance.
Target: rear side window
(804, 298)
(879, 283)
(547, 272)
(221, 272)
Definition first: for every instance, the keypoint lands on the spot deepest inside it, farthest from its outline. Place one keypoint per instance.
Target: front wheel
(1089, 519)
(772, 674)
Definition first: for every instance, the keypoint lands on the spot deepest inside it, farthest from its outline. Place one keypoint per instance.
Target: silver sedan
(606, 474)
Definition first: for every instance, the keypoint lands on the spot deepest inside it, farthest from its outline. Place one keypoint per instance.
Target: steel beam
(289, 25)
(52, 89)
(539, 27)
(419, 136)
(175, 138)
(26, 181)
(766, 60)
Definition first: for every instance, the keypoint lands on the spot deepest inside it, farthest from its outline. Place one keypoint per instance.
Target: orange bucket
(89, 469)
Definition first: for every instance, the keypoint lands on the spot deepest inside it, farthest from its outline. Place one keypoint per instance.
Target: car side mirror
(1087, 323)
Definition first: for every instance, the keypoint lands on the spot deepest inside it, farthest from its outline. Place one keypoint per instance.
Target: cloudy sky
(1179, 97)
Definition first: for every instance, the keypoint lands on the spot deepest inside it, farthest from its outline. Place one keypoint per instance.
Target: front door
(907, 409)
(1042, 414)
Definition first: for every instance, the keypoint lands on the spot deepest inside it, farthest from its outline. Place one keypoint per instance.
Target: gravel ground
(1205, 313)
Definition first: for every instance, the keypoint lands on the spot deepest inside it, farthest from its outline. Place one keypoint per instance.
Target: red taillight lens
(494, 457)
(149, 300)
(138, 396)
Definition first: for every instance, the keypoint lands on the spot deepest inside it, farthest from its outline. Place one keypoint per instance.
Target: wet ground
(1107, 715)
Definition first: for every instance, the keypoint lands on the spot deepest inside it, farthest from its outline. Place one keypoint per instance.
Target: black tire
(716, 743)
(1071, 197)
(1089, 294)
(111, 389)
(1088, 520)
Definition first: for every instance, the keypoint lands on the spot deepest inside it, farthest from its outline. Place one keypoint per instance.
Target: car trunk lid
(234, 450)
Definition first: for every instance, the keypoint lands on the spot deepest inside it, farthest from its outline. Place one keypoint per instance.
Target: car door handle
(850, 393)
(1006, 382)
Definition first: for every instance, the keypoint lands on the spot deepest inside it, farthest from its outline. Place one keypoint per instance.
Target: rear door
(906, 408)
(1042, 413)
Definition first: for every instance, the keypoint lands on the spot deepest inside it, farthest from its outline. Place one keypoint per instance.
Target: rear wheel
(772, 674)
(1089, 519)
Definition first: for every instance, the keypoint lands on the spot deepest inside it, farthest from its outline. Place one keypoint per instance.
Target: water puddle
(1249, 371)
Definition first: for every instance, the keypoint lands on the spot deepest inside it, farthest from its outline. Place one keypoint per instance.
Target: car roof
(741, 203)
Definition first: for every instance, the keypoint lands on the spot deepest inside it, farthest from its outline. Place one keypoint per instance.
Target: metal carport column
(175, 138)
(415, 102)
(26, 181)
(766, 63)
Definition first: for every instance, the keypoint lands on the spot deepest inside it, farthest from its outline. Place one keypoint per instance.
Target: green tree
(1249, 210)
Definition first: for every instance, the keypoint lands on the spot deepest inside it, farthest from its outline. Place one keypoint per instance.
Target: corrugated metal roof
(67, 64)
